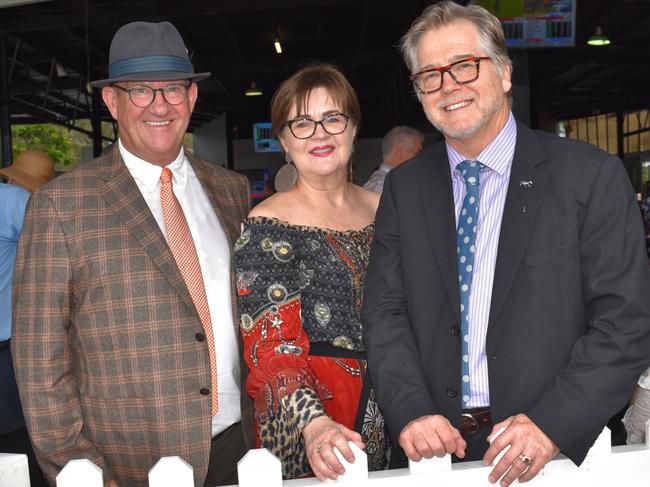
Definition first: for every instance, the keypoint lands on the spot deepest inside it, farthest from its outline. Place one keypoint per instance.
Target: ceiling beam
(43, 17)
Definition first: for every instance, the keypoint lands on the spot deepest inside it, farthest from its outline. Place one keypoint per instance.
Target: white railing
(14, 471)
(627, 466)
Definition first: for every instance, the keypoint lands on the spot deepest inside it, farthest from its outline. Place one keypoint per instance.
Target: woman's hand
(321, 435)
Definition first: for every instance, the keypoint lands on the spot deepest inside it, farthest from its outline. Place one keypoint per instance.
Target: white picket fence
(627, 466)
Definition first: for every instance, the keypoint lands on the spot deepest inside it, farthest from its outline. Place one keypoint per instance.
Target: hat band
(149, 64)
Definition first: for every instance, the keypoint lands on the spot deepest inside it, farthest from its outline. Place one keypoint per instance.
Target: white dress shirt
(213, 249)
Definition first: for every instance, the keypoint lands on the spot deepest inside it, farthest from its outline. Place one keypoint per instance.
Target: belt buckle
(473, 426)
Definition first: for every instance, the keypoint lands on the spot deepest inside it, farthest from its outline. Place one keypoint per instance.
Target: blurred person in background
(30, 170)
(400, 144)
(638, 413)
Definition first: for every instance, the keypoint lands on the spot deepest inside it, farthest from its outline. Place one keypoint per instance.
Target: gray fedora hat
(147, 51)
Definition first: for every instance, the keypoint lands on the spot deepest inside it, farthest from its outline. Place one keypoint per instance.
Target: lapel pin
(526, 184)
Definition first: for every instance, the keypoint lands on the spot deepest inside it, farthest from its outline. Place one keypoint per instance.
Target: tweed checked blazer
(104, 327)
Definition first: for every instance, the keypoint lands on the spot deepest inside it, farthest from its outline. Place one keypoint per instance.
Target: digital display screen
(257, 179)
(535, 23)
(263, 140)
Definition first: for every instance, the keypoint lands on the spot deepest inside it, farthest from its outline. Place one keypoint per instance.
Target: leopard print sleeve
(282, 433)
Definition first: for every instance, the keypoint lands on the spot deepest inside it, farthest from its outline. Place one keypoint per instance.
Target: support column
(5, 123)
(96, 122)
(230, 135)
(521, 86)
(619, 135)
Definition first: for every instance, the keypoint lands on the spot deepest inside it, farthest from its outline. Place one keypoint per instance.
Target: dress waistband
(328, 350)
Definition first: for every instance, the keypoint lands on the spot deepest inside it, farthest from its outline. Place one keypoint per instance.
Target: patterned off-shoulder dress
(300, 294)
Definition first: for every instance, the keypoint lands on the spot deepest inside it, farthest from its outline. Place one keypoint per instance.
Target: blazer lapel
(528, 179)
(438, 206)
(122, 194)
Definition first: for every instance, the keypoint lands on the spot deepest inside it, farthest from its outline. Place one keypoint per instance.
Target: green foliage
(64, 145)
(60, 143)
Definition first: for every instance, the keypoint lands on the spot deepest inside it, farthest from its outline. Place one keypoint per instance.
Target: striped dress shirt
(497, 159)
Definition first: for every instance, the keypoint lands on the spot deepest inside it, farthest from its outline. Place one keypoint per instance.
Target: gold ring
(314, 450)
(524, 458)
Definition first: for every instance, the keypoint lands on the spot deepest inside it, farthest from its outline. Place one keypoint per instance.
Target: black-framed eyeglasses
(304, 127)
(462, 72)
(142, 95)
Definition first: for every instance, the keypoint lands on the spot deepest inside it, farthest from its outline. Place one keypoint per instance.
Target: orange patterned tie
(182, 247)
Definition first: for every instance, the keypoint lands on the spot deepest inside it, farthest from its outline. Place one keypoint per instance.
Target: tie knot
(470, 170)
(166, 176)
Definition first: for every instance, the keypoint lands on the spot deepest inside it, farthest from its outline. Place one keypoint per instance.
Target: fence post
(356, 472)
(430, 465)
(603, 444)
(14, 470)
(80, 473)
(171, 472)
(259, 468)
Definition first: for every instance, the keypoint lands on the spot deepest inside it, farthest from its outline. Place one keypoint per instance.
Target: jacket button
(455, 330)
(452, 392)
(200, 337)
(204, 391)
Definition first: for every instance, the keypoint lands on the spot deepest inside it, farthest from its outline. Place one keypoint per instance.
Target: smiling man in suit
(508, 284)
(124, 338)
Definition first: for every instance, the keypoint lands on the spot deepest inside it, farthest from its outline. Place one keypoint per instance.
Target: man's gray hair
(396, 136)
(444, 13)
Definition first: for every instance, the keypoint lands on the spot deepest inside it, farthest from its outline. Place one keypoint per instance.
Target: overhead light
(598, 39)
(60, 70)
(278, 46)
(253, 90)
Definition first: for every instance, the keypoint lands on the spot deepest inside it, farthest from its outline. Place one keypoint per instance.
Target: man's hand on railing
(530, 449)
(430, 436)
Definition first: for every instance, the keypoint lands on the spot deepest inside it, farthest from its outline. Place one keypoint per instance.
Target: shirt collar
(385, 168)
(149, 174)
(497, 155)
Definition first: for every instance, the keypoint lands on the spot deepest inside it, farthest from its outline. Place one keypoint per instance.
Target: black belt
(474, 420)
(323, 349)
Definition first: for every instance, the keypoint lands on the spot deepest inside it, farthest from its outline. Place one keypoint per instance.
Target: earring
(286, 175)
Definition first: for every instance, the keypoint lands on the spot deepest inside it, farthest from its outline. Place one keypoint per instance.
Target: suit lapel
(438, 206)
(122, 194)
(528, 179)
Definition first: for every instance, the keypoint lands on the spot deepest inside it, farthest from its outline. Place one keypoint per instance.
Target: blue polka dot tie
(466, 239)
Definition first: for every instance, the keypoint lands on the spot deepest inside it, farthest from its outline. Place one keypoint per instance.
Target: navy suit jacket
(569, 325)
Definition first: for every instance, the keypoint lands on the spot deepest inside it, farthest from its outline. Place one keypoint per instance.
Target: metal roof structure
(53, 48)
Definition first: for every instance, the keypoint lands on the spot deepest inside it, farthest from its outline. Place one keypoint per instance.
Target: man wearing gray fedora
(124, 336)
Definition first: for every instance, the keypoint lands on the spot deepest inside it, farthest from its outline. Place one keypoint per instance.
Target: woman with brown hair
(301, 262)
